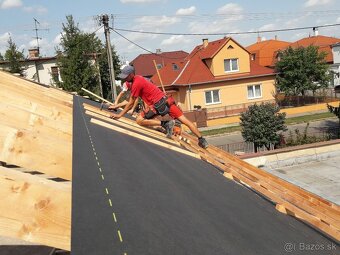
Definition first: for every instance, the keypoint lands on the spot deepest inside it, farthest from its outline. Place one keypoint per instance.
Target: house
(323, 42)
(218, 76)
(144, 63)
(43, 70)
(335, 67)
(264, 52)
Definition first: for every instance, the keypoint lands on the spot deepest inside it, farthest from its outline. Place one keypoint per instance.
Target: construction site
(74, 181)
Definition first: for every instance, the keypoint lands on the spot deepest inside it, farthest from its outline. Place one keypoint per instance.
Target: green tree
(302, 69)
(13, 56)
(261, 125)
(77, 68)
(1, 57)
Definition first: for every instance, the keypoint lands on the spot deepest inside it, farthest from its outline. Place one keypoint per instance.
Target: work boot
(169, 127)
(202, 142)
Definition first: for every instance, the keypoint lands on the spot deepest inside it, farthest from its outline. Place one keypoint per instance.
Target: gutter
(230, 79)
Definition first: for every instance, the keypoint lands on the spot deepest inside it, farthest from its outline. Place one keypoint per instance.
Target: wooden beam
(32, 119)
(35, 209)
(32, 150)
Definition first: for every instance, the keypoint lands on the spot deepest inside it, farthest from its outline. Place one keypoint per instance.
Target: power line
(141, 47)
(225, 33)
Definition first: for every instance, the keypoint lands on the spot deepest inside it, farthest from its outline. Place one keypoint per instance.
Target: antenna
(36, 29)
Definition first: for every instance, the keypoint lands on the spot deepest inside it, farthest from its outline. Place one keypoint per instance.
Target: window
(231, 65)
(253, 56)
(55, 73)
(254, 91)
(212, 97)
(159, 66)
(175, 67)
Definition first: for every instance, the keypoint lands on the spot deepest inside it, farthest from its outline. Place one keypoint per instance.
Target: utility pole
(105, 21)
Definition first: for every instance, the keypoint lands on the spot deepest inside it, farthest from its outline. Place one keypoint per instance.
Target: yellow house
(218, 76)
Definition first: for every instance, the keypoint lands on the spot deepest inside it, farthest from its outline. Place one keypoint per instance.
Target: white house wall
(44, 70)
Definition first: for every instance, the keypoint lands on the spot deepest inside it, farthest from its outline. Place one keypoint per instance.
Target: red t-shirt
(148, 91)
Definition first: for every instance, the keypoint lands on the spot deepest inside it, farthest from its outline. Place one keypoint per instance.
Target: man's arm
(115, 104)
(127, 107)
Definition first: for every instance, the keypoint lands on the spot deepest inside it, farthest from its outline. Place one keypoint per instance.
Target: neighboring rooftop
(323, 42)
(264, 52)
(144, 64)
(193, 69)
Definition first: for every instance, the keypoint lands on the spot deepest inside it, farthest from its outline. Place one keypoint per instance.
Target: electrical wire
(141, 47)
(226, 33)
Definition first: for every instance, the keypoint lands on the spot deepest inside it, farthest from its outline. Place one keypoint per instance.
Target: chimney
(315, 30)
(158, 51)
(33, 53)
(259, 39)
(205, 42)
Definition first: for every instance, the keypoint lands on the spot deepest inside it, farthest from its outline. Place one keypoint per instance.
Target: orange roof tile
(323, 42)
(194, 70)
(265, 51)
(144, 65)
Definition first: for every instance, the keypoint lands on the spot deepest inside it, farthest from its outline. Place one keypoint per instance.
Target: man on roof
(158, 101)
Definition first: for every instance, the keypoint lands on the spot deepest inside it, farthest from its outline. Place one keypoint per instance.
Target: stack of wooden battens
(36, 157)
(287, 197)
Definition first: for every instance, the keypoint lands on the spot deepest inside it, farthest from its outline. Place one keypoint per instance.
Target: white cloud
(155, 22)
(312, 3)
(267, 27)
(187, 11)
(37, 9)
(138, 1)
(338, 20)
(3, 42)
(6, 4)
(230, 8)
(175, 40)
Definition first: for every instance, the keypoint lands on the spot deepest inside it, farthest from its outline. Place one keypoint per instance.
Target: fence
(323, 134)
(230, 110)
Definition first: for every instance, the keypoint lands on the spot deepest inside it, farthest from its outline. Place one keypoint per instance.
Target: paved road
(315, 126)
(133, 197)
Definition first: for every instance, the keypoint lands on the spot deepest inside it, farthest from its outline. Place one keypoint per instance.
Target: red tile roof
(144, 65)
(323, 42)
(265, 51)
(194, 70)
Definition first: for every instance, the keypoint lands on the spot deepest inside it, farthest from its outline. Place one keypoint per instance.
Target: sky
(179, 19)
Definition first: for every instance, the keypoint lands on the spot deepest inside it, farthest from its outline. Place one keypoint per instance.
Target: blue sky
(173, 16)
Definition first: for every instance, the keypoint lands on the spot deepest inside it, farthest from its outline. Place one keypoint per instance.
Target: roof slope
(166, 202)
(323, 42)
(144, 65)
(194, 70)
(266, 50)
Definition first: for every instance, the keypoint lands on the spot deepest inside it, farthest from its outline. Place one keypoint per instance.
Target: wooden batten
(35, 209)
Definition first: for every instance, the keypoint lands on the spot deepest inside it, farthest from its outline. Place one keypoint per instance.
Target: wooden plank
(32, 150)
(129, 125)
(144, 138)
(15, 85)
(30, 119)
(16, 94)
(35, 209)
